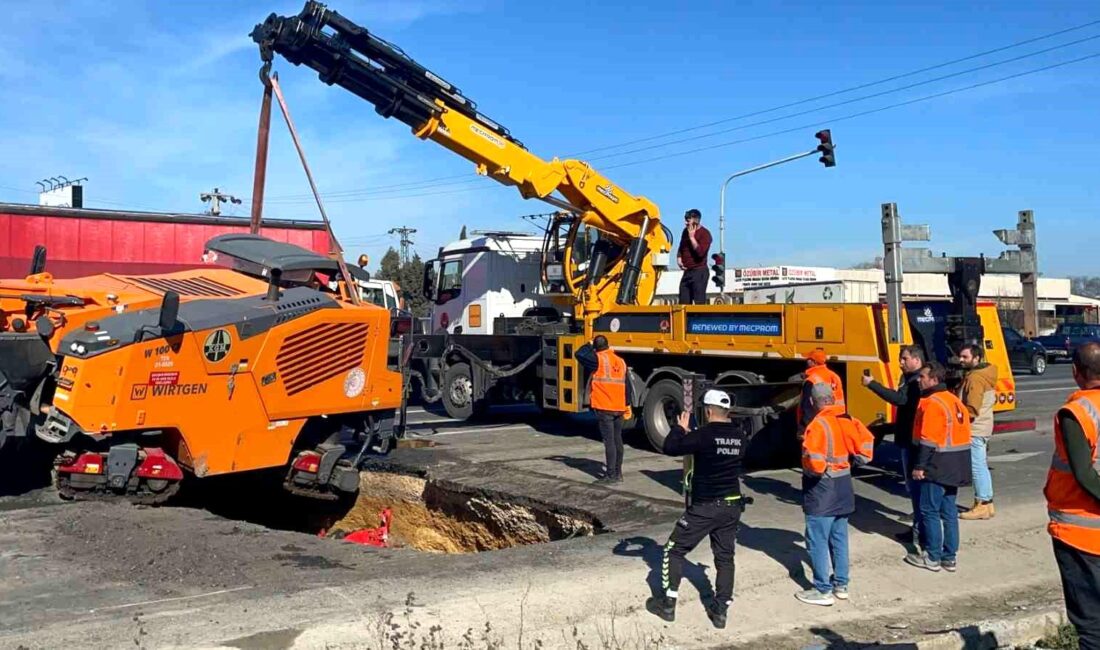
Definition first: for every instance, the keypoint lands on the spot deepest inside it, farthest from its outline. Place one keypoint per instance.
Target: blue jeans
(979, 466)
(939, 521)
(908, 458)
(827, 542)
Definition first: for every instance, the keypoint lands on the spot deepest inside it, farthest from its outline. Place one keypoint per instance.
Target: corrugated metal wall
(85, 246)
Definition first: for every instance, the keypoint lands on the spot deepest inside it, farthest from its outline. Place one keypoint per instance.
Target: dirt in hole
(428, 516)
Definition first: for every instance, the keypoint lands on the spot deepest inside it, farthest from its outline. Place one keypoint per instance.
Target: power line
(839, 92)
(860, 114)
(463, 179)
(847, 101)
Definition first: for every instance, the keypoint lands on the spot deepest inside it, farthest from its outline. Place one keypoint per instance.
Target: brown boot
(982, 510)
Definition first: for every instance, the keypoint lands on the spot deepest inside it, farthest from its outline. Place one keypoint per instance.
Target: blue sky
(156, 102)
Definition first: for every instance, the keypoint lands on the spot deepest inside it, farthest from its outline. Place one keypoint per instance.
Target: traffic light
(826, 148)
(719, 269)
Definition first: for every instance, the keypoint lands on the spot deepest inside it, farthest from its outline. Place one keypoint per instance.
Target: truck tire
(1038, 364)
(663, 401)
(458, 393)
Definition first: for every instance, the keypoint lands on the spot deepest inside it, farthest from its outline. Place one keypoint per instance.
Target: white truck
(484, 281)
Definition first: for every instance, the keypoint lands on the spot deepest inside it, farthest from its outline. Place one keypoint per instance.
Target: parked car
(1024, 353)
(1061, 344)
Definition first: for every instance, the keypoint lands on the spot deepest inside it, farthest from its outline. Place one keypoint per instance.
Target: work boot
(607, 479)
(981, 510)
(716, 612)
(662, 607)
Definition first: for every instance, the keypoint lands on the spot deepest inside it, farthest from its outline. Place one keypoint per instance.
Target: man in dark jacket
(905, 398)
(942, 432)
(718, 448)
(691, 256)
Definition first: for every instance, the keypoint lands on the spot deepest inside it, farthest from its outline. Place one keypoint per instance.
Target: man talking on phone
(691, 256)
(718, 448)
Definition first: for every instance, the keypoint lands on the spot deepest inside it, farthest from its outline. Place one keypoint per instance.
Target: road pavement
(207, 574)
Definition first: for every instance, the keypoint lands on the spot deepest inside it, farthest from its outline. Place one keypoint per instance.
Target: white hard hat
(717, 398)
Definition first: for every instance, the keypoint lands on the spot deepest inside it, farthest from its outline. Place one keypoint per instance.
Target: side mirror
(169, 311)
(38, 260)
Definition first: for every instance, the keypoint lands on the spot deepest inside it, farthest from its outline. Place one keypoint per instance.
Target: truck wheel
(458, 392)
(1038, 364)
(663, 403)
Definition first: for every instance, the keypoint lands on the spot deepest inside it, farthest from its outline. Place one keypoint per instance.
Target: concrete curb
(1022, 630)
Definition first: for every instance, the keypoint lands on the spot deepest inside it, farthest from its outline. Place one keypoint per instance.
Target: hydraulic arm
(349, 56)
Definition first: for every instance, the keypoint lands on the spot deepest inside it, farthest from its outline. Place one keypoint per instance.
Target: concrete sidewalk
(1006, 566)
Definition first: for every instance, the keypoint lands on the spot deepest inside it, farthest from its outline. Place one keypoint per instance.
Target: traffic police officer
(715, 508)
(1073, 497)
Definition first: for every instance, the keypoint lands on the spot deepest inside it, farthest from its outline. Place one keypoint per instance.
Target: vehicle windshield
(374, 295)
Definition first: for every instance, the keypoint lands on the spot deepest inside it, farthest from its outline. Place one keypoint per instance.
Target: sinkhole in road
(445, 517)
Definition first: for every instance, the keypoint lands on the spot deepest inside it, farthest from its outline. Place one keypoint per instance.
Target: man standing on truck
(718, 448)
(692, 259)
(1073, 497)
(905, 398)
(818, 373)
(609, 397)
(978, 391)
(942, 434)
(832, 442)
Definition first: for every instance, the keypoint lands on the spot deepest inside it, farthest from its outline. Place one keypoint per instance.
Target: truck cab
(479, 284)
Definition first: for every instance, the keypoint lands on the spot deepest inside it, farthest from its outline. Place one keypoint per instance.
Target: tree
(390, 268)
(1085, 285)
(409, 277)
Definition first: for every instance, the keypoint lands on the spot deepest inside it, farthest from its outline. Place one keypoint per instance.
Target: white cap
(717, 398)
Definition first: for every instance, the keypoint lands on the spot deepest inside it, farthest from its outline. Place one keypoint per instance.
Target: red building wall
(86, 242)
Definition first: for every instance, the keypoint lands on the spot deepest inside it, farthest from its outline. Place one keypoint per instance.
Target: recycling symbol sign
(827, 293)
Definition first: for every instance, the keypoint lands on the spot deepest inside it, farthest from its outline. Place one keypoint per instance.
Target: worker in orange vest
(817, 373)
(942, 434)
(609, 397)
(833, 441)
(1073, 497)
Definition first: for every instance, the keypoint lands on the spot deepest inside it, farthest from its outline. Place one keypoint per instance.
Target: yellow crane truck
(602, 255)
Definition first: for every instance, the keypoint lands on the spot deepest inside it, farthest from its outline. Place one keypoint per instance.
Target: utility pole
(215, 199)
(406, 242)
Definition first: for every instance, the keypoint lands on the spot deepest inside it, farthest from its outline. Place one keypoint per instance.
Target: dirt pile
(436, 517)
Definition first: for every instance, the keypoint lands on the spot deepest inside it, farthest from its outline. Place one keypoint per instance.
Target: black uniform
(716, 503)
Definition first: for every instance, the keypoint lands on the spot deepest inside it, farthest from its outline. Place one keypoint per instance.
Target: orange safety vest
(822, 375)
(942, 423)
(831, 438)
(1074, 513)
(608, 389)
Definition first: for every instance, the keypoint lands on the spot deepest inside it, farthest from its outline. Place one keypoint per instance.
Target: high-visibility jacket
(825, 447)
(832, 440)
(608, 388)
(822, 375)
(942, 432)
(805, 412)
(1074, 513)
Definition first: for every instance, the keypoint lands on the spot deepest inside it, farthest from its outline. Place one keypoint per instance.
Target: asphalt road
(207, 571)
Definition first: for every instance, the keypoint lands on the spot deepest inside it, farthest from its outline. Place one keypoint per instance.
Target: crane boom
(348, 55)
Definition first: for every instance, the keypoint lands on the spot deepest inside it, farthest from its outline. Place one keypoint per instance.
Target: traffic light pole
(722, 199)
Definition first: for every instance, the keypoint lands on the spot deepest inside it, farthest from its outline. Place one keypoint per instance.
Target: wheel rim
(1040, 364)
(665, 415)
(461, 391)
